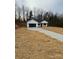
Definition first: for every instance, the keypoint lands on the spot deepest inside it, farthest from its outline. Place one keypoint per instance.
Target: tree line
(22, 14)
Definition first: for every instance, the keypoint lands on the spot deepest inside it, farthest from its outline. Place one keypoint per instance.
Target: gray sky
(56, 6)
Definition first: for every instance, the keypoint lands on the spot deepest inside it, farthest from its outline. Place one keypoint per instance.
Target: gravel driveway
(48, 33)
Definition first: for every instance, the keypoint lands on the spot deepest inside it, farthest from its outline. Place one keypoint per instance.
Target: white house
(34, 23)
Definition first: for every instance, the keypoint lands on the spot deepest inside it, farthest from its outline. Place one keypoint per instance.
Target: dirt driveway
(48, 33)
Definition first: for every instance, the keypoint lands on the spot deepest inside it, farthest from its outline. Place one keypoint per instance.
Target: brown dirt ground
(55, 29)
(35, 45)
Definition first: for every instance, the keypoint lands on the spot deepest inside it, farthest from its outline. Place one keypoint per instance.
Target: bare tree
(17, 11)
(26, 12)
(23, 9)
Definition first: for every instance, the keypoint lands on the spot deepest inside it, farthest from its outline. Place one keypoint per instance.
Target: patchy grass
(55, 29)
(35, 45)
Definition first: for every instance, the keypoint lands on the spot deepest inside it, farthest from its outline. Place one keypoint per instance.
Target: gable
(32, 21)
(44, 21)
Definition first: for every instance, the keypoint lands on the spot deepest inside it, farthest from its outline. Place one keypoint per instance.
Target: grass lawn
(55, 29)
(35, 45)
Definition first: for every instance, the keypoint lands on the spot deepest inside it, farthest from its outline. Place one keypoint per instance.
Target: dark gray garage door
(32, 25)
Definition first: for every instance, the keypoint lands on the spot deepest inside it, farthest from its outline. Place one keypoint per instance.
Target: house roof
(32, 21)
(44, 21)
(37, 20)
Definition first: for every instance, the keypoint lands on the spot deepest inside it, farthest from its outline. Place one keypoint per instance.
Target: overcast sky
(56, 6)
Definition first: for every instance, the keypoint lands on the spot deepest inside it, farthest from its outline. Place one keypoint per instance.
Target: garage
(32, 25)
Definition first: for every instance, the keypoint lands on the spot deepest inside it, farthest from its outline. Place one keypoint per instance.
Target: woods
(22, 14)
